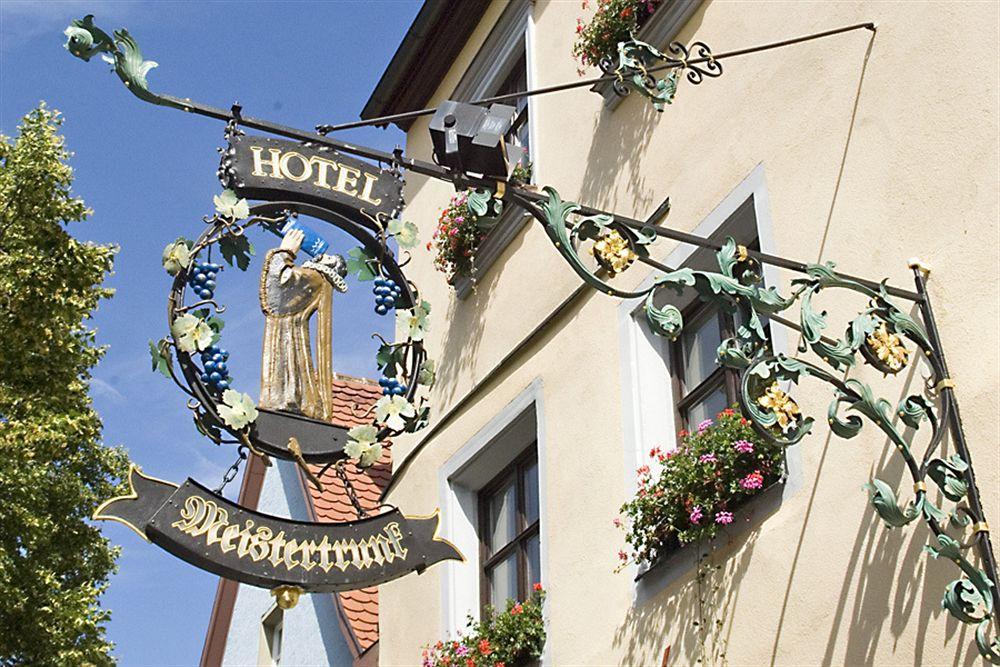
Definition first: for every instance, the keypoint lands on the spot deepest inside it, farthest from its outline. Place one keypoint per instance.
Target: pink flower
(622, 555)
(516, 609)
(696, 514)
(654, 452)
(707, 458)
(743, 446)
(643, 470)
(752, 481)
(704, 424)
(617, 522)
(462, 651)
(723, 517)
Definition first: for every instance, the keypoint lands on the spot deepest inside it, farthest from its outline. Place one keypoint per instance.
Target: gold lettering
(396, 537)
(286, 169)
(191, 515)
(276, 543)
(366, 192)
(260, 544)
(291, 546)
(348, 177)
(231, 532)
(322, 165)
(244, 547)
(200, 517)
(258, 162)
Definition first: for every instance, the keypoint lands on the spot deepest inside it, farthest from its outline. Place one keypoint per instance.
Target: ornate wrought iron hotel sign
(214, 534)
(278, 170)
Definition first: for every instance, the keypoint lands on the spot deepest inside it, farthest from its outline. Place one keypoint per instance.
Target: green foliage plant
(613, 21)
(54, 470)
(692, 491)
(509, 638)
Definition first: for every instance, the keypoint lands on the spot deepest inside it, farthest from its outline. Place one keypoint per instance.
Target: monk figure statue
(290, 379)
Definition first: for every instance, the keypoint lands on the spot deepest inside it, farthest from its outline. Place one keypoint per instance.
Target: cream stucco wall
(874, 150)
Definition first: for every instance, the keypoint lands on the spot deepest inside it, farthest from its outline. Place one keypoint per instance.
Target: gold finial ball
(286, 596)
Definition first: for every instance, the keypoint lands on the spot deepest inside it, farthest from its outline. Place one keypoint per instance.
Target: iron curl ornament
(637, 63)
(877, 336)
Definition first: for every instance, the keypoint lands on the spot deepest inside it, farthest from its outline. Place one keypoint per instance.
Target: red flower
(484, 647)
(516, 609)
(537, 586)
(682, 433)
(469, 662)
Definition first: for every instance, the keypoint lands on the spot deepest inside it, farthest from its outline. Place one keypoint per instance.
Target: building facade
(863, 148)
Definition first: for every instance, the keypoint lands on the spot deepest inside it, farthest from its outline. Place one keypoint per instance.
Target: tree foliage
(54, 470)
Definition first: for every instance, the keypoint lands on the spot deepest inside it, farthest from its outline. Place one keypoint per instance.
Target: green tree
(54, 564)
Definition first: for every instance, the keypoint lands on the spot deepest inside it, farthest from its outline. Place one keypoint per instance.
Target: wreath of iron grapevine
(879, 332)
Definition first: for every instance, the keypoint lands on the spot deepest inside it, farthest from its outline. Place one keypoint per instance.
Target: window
(273, 626)
(509, 532)
(518, 141)
(702, 386)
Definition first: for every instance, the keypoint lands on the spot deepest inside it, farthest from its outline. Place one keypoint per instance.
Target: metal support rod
(463, 180)
(407, 115)
(958, 435)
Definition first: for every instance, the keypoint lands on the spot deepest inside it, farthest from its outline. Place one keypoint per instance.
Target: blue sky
(149, 175)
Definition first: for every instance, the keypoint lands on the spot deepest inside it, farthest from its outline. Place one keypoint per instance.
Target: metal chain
(233, 469)
(352, 495)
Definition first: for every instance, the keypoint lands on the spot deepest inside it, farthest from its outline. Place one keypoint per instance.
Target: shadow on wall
(621, 138)
(466, 322)
(702, 603)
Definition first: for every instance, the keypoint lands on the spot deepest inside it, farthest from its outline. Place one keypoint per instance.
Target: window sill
(661, 28)
(675, 560)
(510, 223)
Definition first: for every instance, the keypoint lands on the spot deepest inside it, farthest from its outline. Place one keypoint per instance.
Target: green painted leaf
(948, 476)
(237, 410)
(666, 321)
(161, 357)
(237, 250)
(404, 232)
(388, 358)
(883, 499)
(361, 264)
(913, 409)
(988, 648)
(483, 204)
(427, 375)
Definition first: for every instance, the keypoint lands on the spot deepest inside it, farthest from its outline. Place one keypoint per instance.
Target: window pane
(699, 349)
(531, 493)
(707, 408)
(534, 562)
(502, 517)
(503, 580)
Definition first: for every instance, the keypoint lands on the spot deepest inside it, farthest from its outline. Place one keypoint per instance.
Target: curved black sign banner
(271, 169)
(221, 537)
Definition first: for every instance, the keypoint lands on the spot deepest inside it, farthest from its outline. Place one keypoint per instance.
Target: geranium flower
(537, 586)
(462, 650)
(743, 446)
(517, 609)
(707, 458)
(696, 514)
(704, 424)
(484, 647)
(752, 481)
(622, 555)
(723, 517)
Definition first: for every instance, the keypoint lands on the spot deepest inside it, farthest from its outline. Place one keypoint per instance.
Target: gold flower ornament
(888, 348)
(613, 252)
(781, 404)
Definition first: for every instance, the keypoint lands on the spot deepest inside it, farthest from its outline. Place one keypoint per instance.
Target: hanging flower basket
(688, 494)
(514, 637)
(614, 21)
(463, 225)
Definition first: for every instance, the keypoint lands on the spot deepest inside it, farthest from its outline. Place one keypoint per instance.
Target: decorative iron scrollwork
(637, 60)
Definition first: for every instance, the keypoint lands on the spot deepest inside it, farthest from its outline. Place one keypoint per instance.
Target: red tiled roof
(352, 398)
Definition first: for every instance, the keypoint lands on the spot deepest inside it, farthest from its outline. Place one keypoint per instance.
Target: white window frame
(491, 65)
(271, 623)
(646, 371)
(460, 479)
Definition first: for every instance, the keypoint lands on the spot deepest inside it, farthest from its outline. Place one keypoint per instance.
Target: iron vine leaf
(947, 474)
(883, 499)
(361, 264)
(236, 250)
(161, 357)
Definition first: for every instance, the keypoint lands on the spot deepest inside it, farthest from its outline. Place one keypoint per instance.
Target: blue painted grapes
(386, 292)
(392, 387)
(216, 374)
(202, 279)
